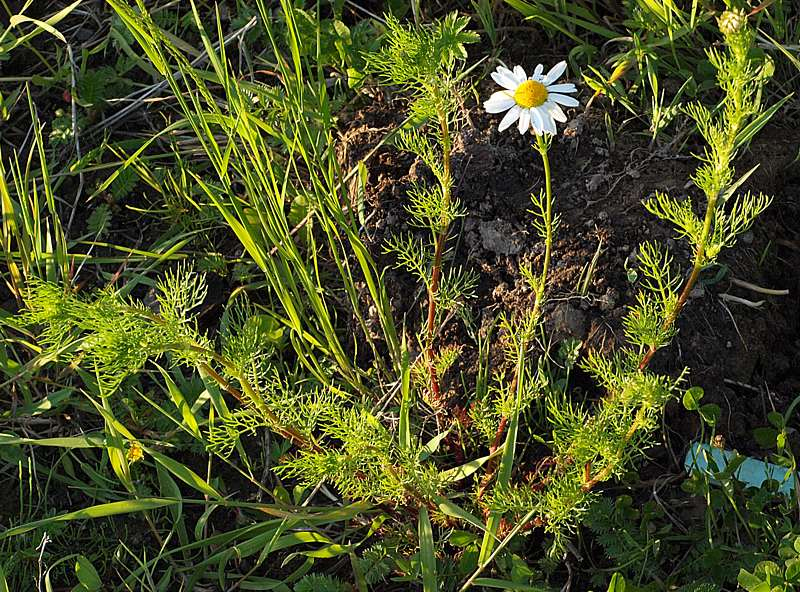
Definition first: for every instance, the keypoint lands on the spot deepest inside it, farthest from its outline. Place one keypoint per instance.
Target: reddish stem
(432, 293)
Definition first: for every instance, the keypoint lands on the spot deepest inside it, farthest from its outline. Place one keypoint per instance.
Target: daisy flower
(534, 103)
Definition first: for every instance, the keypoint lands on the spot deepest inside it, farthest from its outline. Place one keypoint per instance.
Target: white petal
(555, 111)
(524, 121)
(505, 79)
(561, 88)
(499, 102)
(505, 71)
(563, 100)
(549, 125)
(538, 71)
(519, 72)
(536, 120)
(555, 72)
(510, 117)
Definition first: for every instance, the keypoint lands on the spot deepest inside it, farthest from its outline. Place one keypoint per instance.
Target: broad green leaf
(450, 509)
(462, 538)
(326, 552)
(776, 419)
(51, 401)
(751, 129)
(691, 398)
(734, 187)
(404, 430)
(433, 444)
(87, 575)
(46, 25)
(710, 413)
(617, 583)
(184, 473)
(765, 437)
(90, 441)
(467, 469)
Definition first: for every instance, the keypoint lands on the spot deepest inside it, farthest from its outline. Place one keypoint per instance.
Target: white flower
(532, 102)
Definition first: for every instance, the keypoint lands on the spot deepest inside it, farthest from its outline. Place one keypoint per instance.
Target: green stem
(688, 286)
(287, 431)
(542, 146)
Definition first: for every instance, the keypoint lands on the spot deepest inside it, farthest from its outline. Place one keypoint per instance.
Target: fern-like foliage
(558, 501)
(734, 220)
(429, 209)
(425, 142)
(457, 286)
(656, 300)
(679, 213)
(270, 402)
(539, 212)
(360, 458)
(591, 444)
(320, 583)
(375, 564)
(500, 400)
(427, 61)
(99, 221)
(614, 522)
(423, 59)
(741, 77)
(411, 254)
(443, 360)
(249, 339)
(116, 336)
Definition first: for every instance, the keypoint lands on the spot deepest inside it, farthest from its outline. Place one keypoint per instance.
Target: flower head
(534, 103)
(135, 452)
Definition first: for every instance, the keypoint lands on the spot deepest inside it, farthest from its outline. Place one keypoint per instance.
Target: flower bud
(731, 21)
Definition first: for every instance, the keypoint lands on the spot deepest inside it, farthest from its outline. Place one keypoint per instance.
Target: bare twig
(45, 539)
(736, 299)
(759, 289)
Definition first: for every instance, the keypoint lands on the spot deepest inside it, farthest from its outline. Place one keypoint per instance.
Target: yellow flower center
(530, 94)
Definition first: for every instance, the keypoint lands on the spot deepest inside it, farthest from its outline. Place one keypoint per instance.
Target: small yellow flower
(135, 452)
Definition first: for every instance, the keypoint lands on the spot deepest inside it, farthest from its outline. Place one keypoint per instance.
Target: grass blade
(98, 511)
(427, 552)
